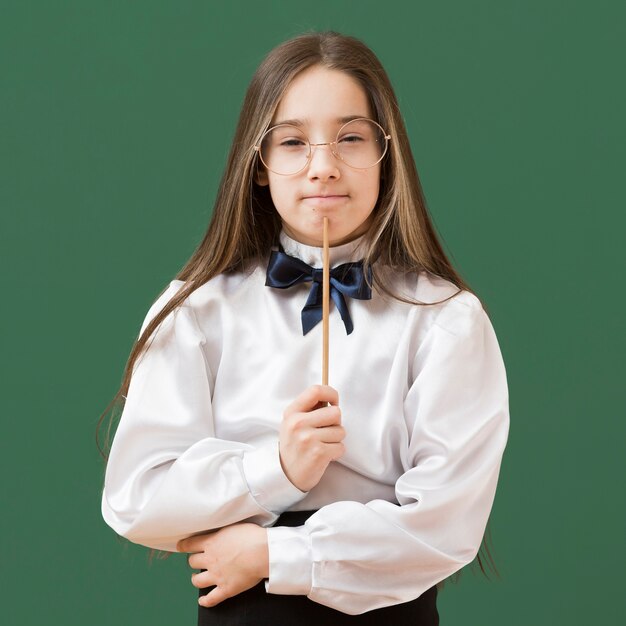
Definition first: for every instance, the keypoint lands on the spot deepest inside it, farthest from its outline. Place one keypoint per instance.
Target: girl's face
(318, 97)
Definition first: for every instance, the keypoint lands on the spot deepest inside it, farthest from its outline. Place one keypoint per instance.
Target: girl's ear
(261, 178)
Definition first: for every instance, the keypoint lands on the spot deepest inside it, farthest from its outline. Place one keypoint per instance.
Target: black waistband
(293, 518)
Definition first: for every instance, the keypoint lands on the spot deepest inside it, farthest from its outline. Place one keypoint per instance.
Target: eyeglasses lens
(359, 144)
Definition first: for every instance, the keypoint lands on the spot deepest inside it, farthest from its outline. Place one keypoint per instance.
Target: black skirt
(256, 607)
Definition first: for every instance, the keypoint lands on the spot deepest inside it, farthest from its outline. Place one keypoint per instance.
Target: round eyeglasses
(285, 149)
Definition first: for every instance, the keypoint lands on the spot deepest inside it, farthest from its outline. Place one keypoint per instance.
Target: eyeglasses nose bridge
(331, 144)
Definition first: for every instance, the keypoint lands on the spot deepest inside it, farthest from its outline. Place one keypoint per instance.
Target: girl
(322, 502)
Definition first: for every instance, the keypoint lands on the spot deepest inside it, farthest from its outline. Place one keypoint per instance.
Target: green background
(115, 122)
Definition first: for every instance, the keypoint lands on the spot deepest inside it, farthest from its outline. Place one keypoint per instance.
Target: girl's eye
(291, 142)
(351, 139)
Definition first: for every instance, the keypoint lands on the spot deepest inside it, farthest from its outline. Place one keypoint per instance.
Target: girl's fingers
(214, 597)
(336, 450)
(310, 397)
(320, 418)
(195, 543)
(332, 434)
(196, 560)
(202, 580)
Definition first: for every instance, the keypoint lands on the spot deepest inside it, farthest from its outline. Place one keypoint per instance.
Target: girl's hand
(235, 559)
(311, 436)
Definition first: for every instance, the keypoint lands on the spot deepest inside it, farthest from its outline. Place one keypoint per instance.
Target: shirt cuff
(290, 561)
(267, 481)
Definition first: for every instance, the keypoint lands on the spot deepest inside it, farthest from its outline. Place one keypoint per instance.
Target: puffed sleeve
(357, 557)
(167, 475)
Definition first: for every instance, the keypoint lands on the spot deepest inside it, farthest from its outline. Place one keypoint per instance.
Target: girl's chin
(312, 234)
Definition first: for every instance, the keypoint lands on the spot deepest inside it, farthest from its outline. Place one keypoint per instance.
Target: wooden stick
(325, 304)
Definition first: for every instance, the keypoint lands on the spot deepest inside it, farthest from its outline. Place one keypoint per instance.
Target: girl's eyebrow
(340, 120)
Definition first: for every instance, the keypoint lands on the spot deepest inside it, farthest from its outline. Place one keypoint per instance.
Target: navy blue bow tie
(348, 279)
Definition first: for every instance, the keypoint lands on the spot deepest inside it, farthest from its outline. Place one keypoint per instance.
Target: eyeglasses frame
(257, 147)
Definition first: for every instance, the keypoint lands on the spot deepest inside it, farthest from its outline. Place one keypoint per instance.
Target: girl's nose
(323, 164)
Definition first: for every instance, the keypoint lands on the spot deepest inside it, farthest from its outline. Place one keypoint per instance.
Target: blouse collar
(313, 256)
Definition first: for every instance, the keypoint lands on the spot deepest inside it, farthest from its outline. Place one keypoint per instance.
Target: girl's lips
(323, 200)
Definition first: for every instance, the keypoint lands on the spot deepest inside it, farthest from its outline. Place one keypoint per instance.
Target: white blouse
(424, 401)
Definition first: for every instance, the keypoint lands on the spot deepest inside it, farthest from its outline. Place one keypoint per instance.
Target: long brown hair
(245, 224)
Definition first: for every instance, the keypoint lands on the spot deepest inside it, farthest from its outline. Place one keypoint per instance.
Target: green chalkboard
(116, 118)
